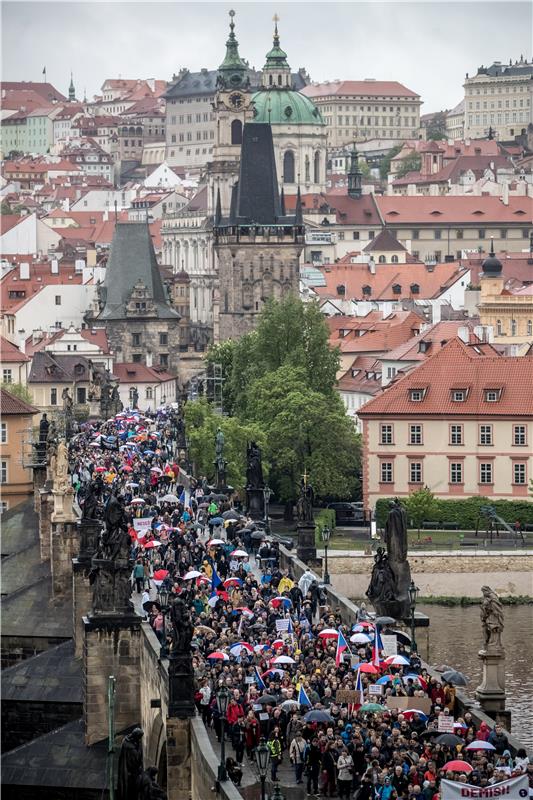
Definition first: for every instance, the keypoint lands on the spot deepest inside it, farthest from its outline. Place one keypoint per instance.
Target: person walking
(297, 755)
(138, 575)
(313, 758)
(345, 772)
(274, 745)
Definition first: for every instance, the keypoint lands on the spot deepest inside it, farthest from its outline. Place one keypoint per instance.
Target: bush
(466, 512)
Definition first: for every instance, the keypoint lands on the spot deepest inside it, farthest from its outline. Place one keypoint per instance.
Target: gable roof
(132, 372)
(454, 209)
(58, 367)
(10, 353)
(385, 242)
(458, 366)
(12, 405)
(369, 88)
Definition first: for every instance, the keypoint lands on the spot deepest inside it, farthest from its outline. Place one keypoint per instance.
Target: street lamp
(326, 536)
(276, 794)
(222, 705)
(413, 593)
(262, 758)
(267, 494)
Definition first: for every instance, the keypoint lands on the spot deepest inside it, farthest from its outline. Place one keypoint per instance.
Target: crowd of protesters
(299, 676)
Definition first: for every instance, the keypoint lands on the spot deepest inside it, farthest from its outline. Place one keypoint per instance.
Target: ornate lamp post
(276, 794)
(267, 494)
(262, 758)
(163, 597)
(326, 536)
(413, 593)
(222, 705)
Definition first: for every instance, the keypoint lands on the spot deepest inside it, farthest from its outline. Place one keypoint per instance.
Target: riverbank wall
(442, 573)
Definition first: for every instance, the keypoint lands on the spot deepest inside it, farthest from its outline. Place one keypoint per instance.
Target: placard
(390, 644)
(445, 723)
(264, 716)
(347, 696)
(513, 789)
(375, 689)
(403, 703)
(249, 679)
(257, 707)
(142, 526)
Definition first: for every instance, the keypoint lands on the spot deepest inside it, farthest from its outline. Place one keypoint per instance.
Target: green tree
(5, 208)
(19, 390)
(419, 506)
(222, 354)
(305, 430)
(384, 167)
(410, 163)
(436, 129)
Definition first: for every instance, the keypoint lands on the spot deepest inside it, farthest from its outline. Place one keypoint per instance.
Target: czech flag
(303, 698)
(359, 687)
(342, 645)
(378, 645)
(260, 682)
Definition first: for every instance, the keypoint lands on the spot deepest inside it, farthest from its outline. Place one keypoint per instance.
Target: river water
(455, 638)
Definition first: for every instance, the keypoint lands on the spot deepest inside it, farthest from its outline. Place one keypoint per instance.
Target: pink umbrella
(160, 574)
(153, 543)
(218, 655)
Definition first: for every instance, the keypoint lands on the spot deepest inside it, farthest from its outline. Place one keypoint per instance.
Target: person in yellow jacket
(285, 584)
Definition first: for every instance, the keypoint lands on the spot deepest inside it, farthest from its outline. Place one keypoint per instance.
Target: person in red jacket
(234, 713)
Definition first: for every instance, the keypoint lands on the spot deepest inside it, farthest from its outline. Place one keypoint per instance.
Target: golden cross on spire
(305, 476)
(275, 18)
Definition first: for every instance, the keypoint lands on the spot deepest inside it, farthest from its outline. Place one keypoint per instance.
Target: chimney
(464, 334)
(505, 194)
(54, 266)
(372, 266)
(24, 271)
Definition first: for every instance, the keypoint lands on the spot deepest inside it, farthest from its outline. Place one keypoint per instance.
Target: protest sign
(513, 789)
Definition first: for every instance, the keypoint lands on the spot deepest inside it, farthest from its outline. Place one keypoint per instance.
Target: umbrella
(360, 626)
(375, 707)
(370, 668)
(478, 744)
(154, 469)
(244, 611)
(193, 573)
(274, 672)
(160, 574)
(288, 705)
(239, 554)
(457, 678)
(410, 711)
(402, 637)
(170, 498)
(256, 534)
(259, 648)
(360, 638)
(126, 468)
(132, 484)
(100, 469)
(458, 766)
(283, 660)
(137, 500)
(328, 633)
(449, 739)
(318, 716)
(216, 521)
(236, 649)
(218, 655)
(281, 601)
(231, 514)
(215, 542)
(94, 444)
(232, 582)
(149, 605)
(396, 661)
(385, 621)
(203, 505)
(153, 543)
(277, 643)
(203, 629)
(384, 679)
(460, 726)
(266, 699)
(414, 677)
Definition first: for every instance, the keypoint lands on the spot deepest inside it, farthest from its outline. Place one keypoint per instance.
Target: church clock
(236, 101)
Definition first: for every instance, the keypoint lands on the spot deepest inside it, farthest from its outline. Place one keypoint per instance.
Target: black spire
(355, 188)
(298, 216)
(282, 202)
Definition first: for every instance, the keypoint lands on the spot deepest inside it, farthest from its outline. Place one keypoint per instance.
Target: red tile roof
(10, 404)
(130, 372)
(42, 89)
(458, 366)
(9, 352)
(454, 169)
(467, 209)
(40, 276)
(357, 377)
(386, 242)
(382, 336)
(366, 88)
(353, 277)
(436, 337)
(8, 221)
(348, 210)
(515, 266)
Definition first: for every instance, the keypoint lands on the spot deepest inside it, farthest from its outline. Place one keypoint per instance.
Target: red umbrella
(153, 543)
(458, 766)
(100, 469)
(370, 668)
(127, 468)
(328, 633)
(218, 656)
(160, 574)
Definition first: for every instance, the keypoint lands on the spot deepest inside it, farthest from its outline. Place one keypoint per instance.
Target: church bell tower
(233, 108)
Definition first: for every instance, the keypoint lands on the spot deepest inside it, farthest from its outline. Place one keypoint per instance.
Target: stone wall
(120, 337)
(82, 595)
(46, 507)
(205, 763)
(64, 546)
(154, 686)
(452, 574)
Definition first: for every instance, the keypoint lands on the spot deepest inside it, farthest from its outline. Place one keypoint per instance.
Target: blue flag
(216, 580)
(290, 628)
(303, 698)
(259, 680)
(182, 497)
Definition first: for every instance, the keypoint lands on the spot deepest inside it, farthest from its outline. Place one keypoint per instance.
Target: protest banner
(390, 644)
(513, 789)
(142, 526)
(445, 724)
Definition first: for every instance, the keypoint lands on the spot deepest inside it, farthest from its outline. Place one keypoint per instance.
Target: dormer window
(492, 395)
(367, 290)
(423, 346)
(459, 395)
(416, 395)
(415, 288)
(396, 289)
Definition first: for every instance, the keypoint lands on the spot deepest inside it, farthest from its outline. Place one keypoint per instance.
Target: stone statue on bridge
(111, 567)
(180, 669)
(491, 618)
(391, 576)
(130, 766)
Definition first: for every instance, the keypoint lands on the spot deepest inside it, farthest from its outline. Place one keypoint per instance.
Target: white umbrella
(239, 554)
(137, 500)
(360, 638)
(283, 660)
(170, 498)
(192, 574)
(216, 542)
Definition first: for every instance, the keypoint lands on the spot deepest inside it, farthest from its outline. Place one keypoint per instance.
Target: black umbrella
(402, 637)
(267, 699)
(231, 514)
(457, 678)
(256, 534)
(318, 716)
(148, 606)
(449, 739)
(428, 734)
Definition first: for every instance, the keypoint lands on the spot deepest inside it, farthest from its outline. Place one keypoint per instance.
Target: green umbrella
(372, 707)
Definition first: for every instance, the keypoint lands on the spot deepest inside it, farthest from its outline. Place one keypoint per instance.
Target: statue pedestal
(112, 589)
(181, 687)
(255, 502)
(178, 758)
(63, 510)
(88, 531)
(491, 691)
(306, 549)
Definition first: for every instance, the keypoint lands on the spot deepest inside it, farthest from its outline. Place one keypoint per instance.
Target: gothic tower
(233, 108)
(71, 90)
(258, 245)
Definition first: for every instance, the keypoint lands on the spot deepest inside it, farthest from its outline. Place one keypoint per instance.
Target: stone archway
(156, 743)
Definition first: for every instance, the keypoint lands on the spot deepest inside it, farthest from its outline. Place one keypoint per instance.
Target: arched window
(279, 80)
(499, 327)
(270, 80)
(131, 392)
(316, 176)
(394, 259)
(382, 260)
(530, 327)
(288, 167)
(236, 132)
(307, 170)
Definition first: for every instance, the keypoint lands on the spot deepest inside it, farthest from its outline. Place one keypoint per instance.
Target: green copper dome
(233, 72)
(285, 107)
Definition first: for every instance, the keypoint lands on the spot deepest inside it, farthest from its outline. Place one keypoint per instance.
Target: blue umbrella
(216, 521)
(383, 680)
(318, 716)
